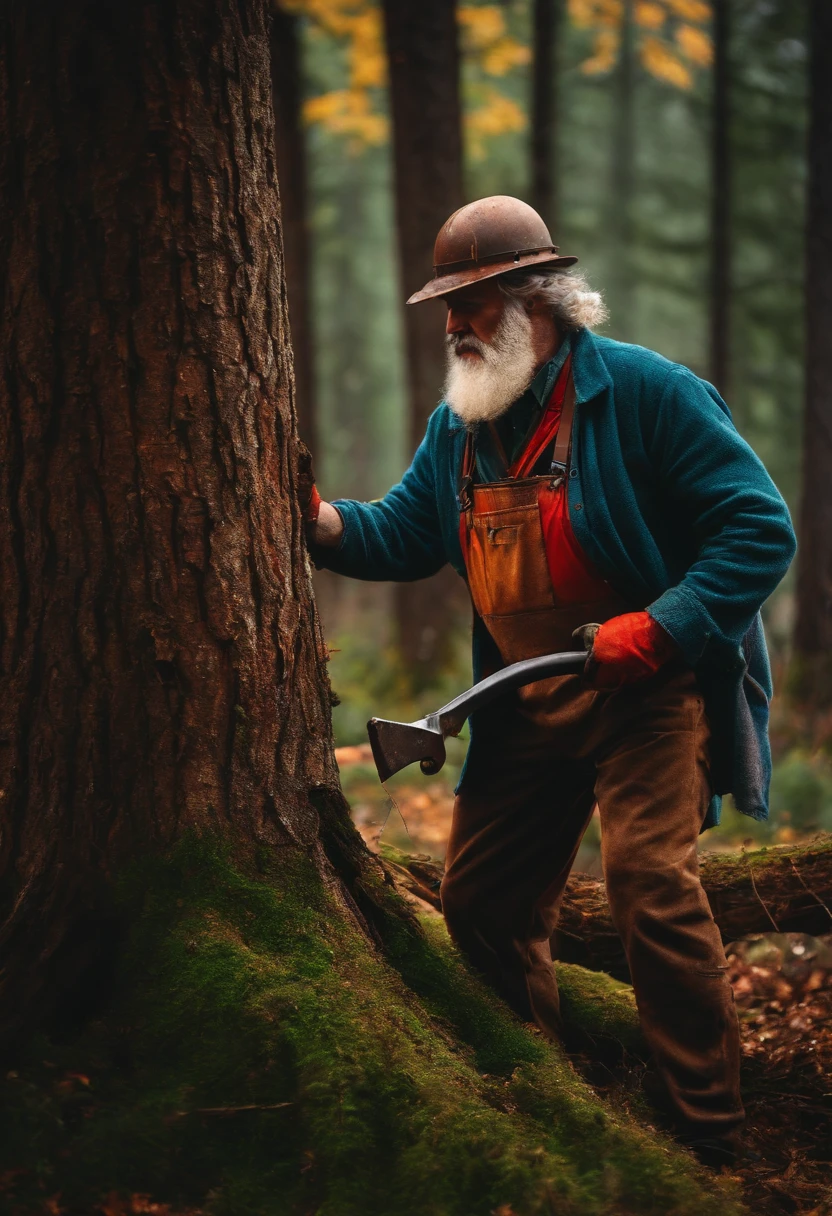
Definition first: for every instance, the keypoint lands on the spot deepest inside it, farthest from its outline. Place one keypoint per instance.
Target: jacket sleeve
(744, 532)
(399, 537)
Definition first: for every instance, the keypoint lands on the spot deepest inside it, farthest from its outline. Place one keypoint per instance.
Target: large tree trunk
(287, 85)
(423, 54)
(162, 666)
(546, 23)
(720, 237)
(813, 634)
(783, 890)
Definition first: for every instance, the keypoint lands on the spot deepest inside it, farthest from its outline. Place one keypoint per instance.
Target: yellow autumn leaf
(695, 45)
(347, 112)
(649, 15)
(496, 115)
(357, 25)
(589, 14)
(334, 24)
(581, 12)
(325, 107)
(481, 24)
(335, 17)
(367, 58)
(663, 64)
(504, 55)
(604, 53)
(690, 10)
(609, 12)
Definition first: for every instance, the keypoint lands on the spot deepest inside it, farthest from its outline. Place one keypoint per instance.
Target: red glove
(630, 648)
(308, 496)
(313, 507)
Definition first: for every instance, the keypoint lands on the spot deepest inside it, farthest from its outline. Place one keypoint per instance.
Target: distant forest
(632, 165)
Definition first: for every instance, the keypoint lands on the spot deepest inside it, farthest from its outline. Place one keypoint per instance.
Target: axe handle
(451, 717)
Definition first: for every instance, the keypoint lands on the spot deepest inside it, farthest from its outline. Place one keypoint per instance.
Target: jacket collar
(589, 372)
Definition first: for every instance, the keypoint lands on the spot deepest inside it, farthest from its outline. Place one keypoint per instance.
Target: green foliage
(238, 990)
(801, 792)
(373, 681)
(800, 805)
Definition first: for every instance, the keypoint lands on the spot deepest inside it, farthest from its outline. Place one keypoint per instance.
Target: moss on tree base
(408, 1088)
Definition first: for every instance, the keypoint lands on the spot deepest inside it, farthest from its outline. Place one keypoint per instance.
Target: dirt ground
(783, 988)
(782, 985)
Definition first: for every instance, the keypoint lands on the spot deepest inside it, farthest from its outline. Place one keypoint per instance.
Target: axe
(397, 744)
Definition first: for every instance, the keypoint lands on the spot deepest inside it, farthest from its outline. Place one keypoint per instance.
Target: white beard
(479, 390)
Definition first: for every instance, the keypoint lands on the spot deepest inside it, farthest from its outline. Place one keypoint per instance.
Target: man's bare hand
(327, 529)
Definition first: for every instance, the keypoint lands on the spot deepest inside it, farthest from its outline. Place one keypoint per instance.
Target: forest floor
(782, 985)
(783, 989)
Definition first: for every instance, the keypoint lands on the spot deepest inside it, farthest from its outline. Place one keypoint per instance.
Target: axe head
(397, 744)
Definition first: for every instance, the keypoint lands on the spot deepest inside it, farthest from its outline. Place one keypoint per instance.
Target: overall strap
(466, 478)
(563, 443)
(556, 420)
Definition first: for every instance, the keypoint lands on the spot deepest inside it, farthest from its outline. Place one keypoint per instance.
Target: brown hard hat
(487, 238)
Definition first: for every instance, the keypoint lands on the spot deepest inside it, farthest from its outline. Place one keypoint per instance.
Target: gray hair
(567, 292)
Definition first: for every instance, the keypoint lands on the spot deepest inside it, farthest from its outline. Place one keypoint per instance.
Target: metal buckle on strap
(557, 471)
(465, 497)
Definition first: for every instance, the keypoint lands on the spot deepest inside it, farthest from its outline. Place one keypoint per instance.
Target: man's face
(473, 312)
(491, 352)
(477, 316)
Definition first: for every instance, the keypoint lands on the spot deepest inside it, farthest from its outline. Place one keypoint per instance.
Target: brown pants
(527, 796)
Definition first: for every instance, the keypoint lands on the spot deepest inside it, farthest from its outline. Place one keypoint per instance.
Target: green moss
(238, 990)
(600, 1008)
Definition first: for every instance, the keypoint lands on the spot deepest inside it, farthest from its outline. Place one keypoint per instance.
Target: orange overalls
(541, 758)
(530, 581)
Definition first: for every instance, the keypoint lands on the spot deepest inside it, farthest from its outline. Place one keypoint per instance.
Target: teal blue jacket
(672, 507)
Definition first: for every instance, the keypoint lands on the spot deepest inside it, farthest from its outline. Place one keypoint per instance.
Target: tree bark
(786, 889)
(423, 54)
(813, 633)
(162, 666)
(546, 22)
(720, 243)
(290, 142)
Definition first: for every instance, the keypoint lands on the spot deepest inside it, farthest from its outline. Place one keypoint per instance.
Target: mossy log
(780, 889)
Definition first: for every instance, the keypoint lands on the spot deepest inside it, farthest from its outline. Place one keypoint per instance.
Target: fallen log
(779, 889)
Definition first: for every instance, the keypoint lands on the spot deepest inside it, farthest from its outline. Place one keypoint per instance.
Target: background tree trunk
(546, 24)
(720, 243)
(290, 142)
(622, 179)
(162, 666)
(423, 53)
(813, 634)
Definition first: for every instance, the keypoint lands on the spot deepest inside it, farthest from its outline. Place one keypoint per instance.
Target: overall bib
(529, 580)
(538, 762)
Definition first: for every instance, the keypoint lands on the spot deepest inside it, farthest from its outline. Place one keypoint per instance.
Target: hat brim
(442, 285)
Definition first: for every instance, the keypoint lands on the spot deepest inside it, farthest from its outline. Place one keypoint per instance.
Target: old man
(570, 479)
